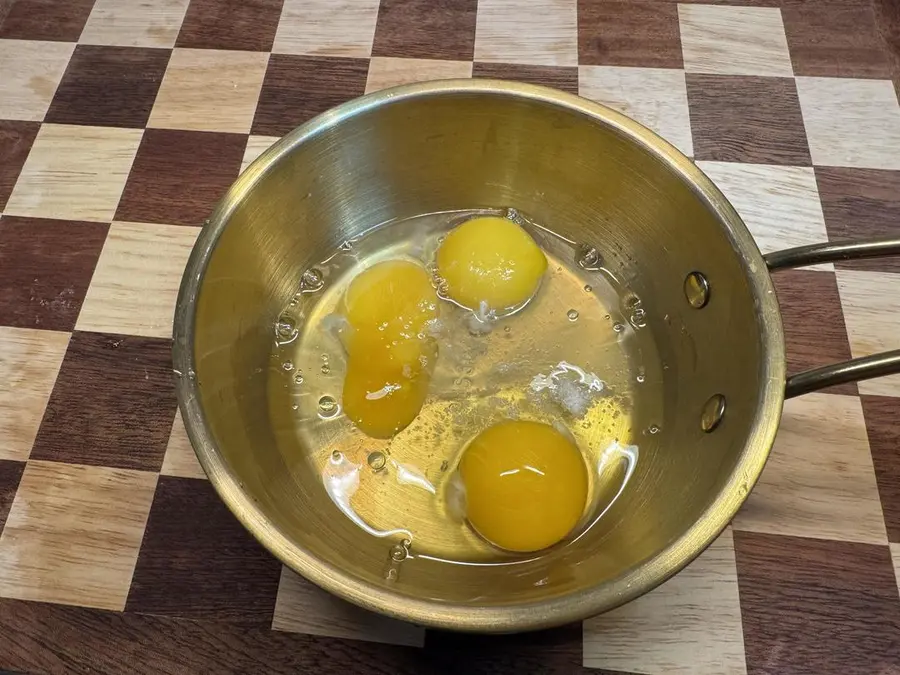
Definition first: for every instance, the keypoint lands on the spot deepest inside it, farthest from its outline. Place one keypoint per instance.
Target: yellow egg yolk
(391, 354)
(382, 401)
(525, 484)
(491, 260)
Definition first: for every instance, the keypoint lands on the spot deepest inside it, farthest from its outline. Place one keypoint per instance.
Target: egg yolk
(525, 485)
(382, 401)
(391, 354)
(492, 260)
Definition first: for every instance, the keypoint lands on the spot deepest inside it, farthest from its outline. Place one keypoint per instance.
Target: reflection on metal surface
(696, 290)
(712, 413)
(588, 173)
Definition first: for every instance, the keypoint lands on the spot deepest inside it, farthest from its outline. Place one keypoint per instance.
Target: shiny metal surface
(592, 174)
(854, 370)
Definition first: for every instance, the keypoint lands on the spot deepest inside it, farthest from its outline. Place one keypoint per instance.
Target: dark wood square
(426, 29)
(641, 33)
(882, 414)
(178, 176)
(817, 607)
(109, 86)
(54, 20)
(248, 25)
(746, 119)
(45, 269)
(559, 77)
(835, 38)
(814, 330)
(861, 204)
(113, 403)
(198, 562)
(297, 88)
(10, 474)
(16, 139)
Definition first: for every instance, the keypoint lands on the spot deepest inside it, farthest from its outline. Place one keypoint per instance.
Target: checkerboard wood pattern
(121, 124)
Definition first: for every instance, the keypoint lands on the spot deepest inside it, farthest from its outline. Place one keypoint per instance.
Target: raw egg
(391, 354)
(525, 485)
(490, 260)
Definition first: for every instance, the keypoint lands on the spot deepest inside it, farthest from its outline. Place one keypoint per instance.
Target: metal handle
(854, 370)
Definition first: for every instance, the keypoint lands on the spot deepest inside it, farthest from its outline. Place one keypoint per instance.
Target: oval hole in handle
(854, 370)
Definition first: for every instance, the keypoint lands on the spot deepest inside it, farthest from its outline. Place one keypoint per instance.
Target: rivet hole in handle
(854, 370)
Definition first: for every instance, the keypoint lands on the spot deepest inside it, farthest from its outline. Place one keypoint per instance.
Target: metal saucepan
(563, 160)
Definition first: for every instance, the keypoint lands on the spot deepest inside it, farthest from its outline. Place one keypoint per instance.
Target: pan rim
(500, 618)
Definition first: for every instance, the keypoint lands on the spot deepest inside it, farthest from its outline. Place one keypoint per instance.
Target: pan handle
(854, 370)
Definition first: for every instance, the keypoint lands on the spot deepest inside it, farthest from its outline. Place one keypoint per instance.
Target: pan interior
(589, 182)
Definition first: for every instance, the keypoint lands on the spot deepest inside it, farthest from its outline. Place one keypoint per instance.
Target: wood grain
(297, 88)
(815, 333)
(74, 172)
(180, 459)
(426, 29)
(882, 414)
(230, 24)
(114, 394)
(59, 640)
(109, 86)
(134, 23)
(540, 32)
(813, 607)
(209, 90)
(746, 119)
(72, 534)
(45, 268)
(10, 474)
(29, 363)
(387, 72)
(734, 40)
(819, 480)
(841, 117)
(861, 204)
(327, 27)
(559, 77)
(136, 281)
(179, 176)
(15, 143)
(198, 562)
(693, 622)
(31, 71)
(58, 20)
(835, 38)
(871, 302)
(639, 33)
(303, 607)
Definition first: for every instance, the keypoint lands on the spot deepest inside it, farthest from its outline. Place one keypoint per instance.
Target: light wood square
(134, 23)
(209, 90)
(853, 123)
(73, 534)
(655, 97)
(726, 40)
(819, 481)
(75, 173)
(29, 363)
(779, 204)
(871, 303)
(31, 71)
(690, 625)
(256, 145)
(540, 32)
(302, 607)
(327, 27)
(387, 72)
(135, 284)
(180, 459)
